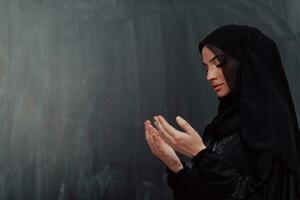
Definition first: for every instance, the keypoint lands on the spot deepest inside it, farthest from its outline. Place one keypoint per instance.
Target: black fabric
(230, 169)
(227, 120)
(261, 161)
(266, 112)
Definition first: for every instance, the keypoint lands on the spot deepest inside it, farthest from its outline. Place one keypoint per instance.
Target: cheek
(227, 88)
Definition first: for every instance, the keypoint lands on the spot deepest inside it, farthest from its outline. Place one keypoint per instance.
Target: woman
(250, 150)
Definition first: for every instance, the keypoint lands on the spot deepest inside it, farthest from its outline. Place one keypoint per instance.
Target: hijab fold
(259, 104)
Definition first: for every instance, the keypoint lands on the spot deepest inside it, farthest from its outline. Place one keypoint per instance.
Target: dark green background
(79, 77)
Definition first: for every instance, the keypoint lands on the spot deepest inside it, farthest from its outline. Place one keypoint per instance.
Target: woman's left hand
(188, 143)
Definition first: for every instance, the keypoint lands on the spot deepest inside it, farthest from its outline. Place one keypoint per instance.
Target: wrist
(176, 169)
(198, 150)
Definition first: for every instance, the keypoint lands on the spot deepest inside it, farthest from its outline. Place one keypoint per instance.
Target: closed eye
(221, 59)
(220, 65)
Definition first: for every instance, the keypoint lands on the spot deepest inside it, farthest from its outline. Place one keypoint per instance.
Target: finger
(155, 131)
(150, 139)
(162, 135)
(185, 125)
(152, 145)
(174, 133)
(168, 137)
(159, 138)
(146, 130)
(157, 142)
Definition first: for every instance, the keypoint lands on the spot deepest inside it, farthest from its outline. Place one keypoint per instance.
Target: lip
(215, 86)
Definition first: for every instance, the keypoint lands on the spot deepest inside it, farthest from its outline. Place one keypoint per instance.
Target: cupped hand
(161, 149)
(189, 143)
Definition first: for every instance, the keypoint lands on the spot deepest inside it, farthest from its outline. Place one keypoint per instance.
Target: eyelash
(219, 65)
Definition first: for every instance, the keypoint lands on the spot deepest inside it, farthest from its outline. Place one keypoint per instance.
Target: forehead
(207, 52)
(207, 55)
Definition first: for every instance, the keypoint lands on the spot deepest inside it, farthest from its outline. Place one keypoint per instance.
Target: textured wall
(79, 77)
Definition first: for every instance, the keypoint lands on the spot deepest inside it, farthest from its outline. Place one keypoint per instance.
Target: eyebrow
(211, 59)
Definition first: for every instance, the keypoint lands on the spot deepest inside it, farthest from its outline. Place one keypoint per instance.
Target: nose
(211, 73)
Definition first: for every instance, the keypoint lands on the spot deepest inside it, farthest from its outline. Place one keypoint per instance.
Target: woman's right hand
(161, 149)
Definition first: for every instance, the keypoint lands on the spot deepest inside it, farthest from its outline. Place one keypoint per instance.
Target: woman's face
(214, 72)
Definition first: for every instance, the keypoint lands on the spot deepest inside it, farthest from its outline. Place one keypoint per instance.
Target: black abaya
(230, 169)
(253, 143)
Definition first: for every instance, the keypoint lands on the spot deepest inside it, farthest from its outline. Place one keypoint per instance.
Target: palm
(187, 142)
(167, 150)
(160, 148)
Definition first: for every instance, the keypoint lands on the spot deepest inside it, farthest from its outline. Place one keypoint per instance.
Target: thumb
(185, 125)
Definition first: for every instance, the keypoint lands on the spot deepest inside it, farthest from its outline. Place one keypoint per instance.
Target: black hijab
(260, 104)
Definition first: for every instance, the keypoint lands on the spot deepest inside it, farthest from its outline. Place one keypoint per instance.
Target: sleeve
(226, 179)
(185, 184)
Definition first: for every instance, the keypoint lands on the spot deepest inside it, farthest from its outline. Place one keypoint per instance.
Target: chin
(221, 94)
